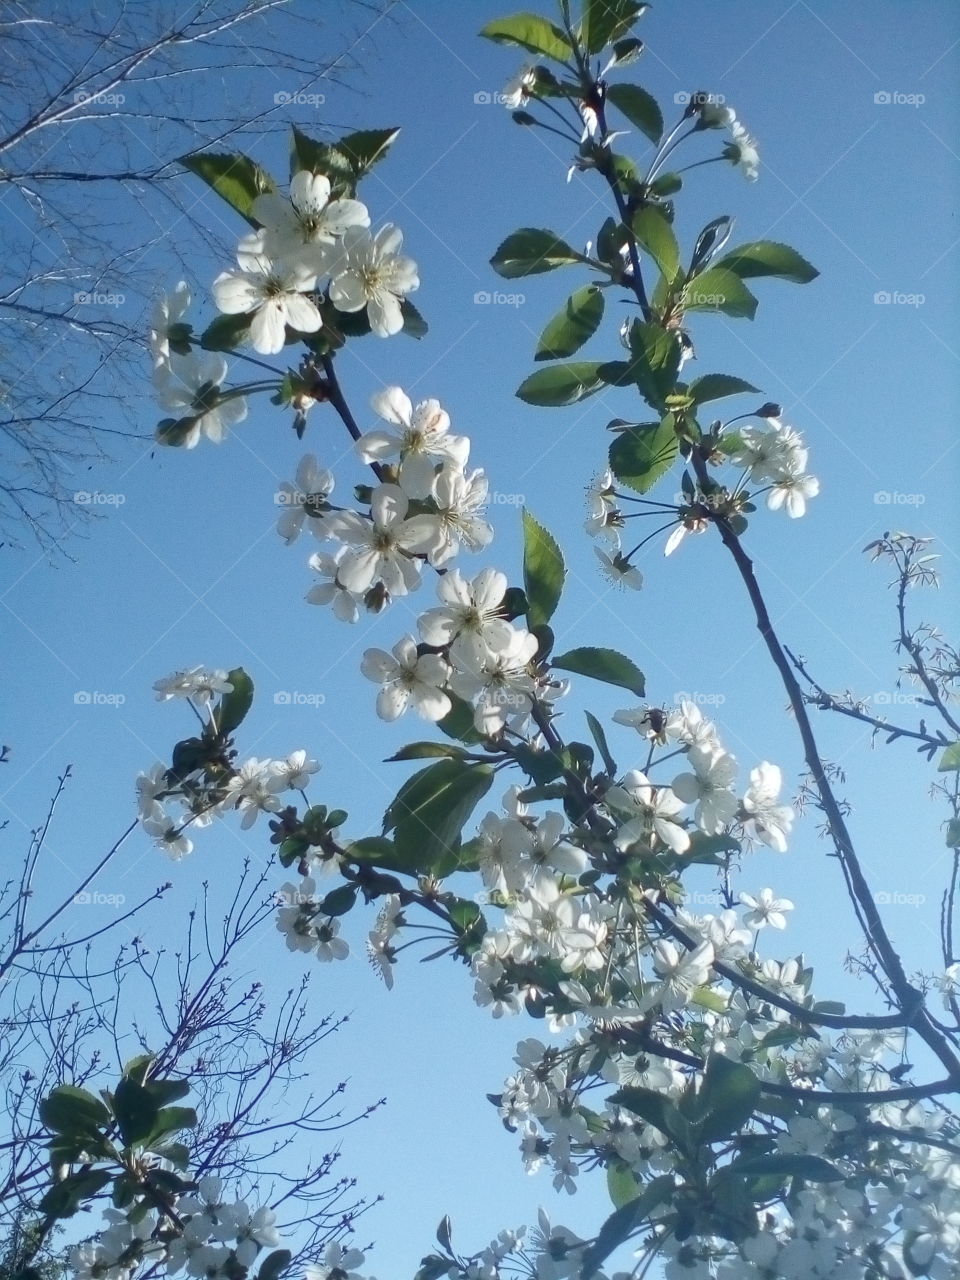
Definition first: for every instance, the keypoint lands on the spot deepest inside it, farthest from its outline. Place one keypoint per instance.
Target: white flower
(304, 499)
(713, 115)
(191, 386)
(253, 790)
(422, 438)
(168, 313)
(379, 951)
(377, 547)
(197, 684)
(651, 812)
(408, 679)
(681, 972)
(687, 725)
(369, 272)
(742, 151)
(766, 909)
(253, 1232)
(949, 984)
(338, 1264)
(272, 293)
(708, 787)
(305, 226)
(167, 835)
(501, 683)
(768, 821)
(469, 618)
(793, 493)
(150, 786)
(332, 591)
(294, 773)
(618, 569)
(459, 498)
(516, 92)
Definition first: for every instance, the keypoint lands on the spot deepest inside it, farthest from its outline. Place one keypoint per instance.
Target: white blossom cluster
(215, 1240)
(168, 808)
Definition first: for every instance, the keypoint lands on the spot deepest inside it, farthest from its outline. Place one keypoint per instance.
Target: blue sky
(856, 113)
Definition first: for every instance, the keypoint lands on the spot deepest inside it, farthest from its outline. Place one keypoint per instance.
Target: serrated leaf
(531, 32)
(427, 751)
(226, 333)
(768, 258)
(718, 289)
(171, 1120)
(66, 1197)
(607, 20)
(726, 1099)
(600, 738)
(640, 108)
(813, 1168)
(429, 811)
(561, 384)
(950, 759)
(458, 722)
(233, 706)
(543, 571)
(655, 234)
(714, 386)
(339, 901)
(136, 1111)
(70, 1110)
(345, 161)
(641, 455)
(414, 325)
(235, 178)
(623, 1223)
(603, 664)
(622, 1186)
(573, 325)
(531, 251)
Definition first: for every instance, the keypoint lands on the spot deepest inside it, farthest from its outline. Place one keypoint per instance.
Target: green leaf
(655, 1109)
(458, 722)
(600, 738)
(561, 384)
(953, 834)
(726, 1099)
(542, 766)
(430, 809)
(427, 751)
(531, 251)
(714, 386)
(575, 323)
(813, 1168)
(950, 760)
(622, 1186)
(641, 455)
(768, 258)
(66, 1197)
(233, 707)
(273, 1265)
(603, 664)
(654, 361)
(543, 571)
(136, 1110)
(226, 333)
(530, 32)
(608, 20)
(623, 1223)
(414, 325)
(655, 234)
(70, 1110)
(639, 107)
(235, 178)
(718, 289)
(343, 162)
(171, 1120)
(339, 901)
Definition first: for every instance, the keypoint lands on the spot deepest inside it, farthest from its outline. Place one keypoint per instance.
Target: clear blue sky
(188, 569)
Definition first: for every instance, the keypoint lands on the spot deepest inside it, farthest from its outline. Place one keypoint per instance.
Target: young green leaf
(718, 289)
(233, 706)
(641, 455)
(655, 234)
(70, 1110)
(226, 333)
(603, 664)
(531, 251)
(608, 20)
(768, 258)
(235, 178)
(561, 385)
(640, 108)
(530, 32)
(543, 571)
(623, 1223)
(950, 759)
(573, 325)
(430, 809)
(714, 386)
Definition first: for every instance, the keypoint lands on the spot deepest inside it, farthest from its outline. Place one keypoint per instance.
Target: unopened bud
(769, 410)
